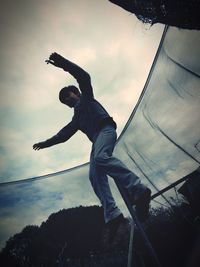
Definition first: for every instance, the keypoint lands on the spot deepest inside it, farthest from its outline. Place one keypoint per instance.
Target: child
(92, 119)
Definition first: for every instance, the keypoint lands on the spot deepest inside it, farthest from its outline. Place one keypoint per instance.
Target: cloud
(90, 36)
(104, 40)
(31, 203)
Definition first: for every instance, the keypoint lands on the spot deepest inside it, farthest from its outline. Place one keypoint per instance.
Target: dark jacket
(89, 115)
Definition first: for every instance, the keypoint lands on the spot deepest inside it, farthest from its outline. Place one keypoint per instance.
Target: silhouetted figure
(92, 119)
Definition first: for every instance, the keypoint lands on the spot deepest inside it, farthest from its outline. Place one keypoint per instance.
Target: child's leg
(139, 194)
(101, 187)
(103, 149)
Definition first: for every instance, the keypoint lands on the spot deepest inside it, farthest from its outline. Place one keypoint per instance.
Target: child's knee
(101, 159)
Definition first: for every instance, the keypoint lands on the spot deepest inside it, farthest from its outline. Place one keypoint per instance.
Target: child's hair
(64, 92)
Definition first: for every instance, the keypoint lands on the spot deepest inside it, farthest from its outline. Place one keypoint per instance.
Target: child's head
(69, 95)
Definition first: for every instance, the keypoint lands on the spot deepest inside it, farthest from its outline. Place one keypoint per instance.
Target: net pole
(130, 249)
(150, 249)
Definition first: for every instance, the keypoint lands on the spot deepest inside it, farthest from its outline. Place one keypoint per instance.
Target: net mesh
(160, 142)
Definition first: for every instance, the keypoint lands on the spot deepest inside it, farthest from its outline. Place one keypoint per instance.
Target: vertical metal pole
(147, 243)
(130, 249)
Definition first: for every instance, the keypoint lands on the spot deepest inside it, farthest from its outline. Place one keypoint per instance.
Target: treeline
(77, 237)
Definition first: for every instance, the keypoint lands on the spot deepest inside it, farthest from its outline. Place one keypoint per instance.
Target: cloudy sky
(117, 50)
(111, 44)
(108, 42)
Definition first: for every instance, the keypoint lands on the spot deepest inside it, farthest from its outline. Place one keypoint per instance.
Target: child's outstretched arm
(62, 136)
(82, 77)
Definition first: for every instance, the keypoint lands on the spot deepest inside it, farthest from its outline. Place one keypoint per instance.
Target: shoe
(142, 205)
(113, 226)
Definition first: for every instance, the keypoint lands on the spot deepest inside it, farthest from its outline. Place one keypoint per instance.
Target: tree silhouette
(75, 237)
(179, 13)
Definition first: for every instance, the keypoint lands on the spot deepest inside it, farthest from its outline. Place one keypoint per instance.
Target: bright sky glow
(117, 50)
(111, 44)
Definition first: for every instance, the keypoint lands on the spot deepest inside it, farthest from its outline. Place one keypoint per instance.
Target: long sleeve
(82, 77)
(63, 135)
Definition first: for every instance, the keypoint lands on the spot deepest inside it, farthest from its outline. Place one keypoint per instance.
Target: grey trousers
(103, 163)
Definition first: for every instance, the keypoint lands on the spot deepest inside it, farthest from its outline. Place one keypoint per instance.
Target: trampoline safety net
(160, 142)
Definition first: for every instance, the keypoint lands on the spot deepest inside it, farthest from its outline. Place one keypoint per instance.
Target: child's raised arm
(82, 77)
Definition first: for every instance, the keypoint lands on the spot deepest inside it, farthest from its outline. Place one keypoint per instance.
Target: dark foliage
(76, 237)
(73, 232)
(174, 233)
(179, 13)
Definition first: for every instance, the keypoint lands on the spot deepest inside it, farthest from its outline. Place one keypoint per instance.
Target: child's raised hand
(56, 60)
